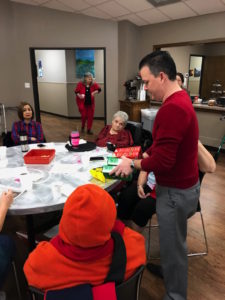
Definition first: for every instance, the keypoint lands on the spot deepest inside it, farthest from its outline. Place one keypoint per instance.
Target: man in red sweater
(173, 159)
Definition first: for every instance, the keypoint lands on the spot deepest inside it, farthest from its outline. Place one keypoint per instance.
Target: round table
(45, 188)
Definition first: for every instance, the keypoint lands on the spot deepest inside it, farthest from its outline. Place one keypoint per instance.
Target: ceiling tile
(30, 2)
(134, 5)
(139, 12)
(75, 5)
(113, 8)
(134, 19)
(94, 2)
(57, 5)
(206, 7)
(94, 12)
(153, 16)
(177, 11)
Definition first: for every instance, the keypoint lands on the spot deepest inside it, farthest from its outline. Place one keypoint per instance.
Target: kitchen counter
(197, 106)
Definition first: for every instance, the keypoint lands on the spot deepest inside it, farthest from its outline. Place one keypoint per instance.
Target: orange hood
(88, 217)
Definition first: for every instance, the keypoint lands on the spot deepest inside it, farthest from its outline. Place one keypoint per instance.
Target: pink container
(74, 138)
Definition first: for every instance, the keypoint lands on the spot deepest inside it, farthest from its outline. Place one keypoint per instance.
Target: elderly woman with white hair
(85, 92)
(116, 133)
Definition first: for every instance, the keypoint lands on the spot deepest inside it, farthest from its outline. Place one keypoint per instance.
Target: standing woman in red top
(27, 124)
(85, 92)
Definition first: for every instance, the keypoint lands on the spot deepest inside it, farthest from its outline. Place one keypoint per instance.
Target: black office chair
(129, 289)
(16, 280)
(7, 140)
(141, 137)
(135, 129)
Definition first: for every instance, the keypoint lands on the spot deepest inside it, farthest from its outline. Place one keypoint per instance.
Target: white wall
(53, 64)
(181, 55)
(26, 26)
(129, 48)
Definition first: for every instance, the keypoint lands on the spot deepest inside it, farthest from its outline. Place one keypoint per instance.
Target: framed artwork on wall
(85, 60)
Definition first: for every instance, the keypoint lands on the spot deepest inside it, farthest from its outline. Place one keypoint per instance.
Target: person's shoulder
(132, 238)
(37, 123)
(126, 131)
(43, 250)
(17, 123)
(129, 235)
(107, 127)
(95, 84)
(179, 100)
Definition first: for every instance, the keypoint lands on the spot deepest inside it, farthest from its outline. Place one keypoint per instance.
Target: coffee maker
(131, 89)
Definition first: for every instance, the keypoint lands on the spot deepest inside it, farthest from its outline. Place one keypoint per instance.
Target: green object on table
(113, 161)
(107, 169)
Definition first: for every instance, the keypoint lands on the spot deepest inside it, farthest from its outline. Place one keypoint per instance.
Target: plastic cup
(74, 138)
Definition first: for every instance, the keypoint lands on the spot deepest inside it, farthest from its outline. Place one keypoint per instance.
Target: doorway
(55, 75)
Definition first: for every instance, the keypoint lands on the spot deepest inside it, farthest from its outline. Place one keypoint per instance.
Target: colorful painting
(85, 60)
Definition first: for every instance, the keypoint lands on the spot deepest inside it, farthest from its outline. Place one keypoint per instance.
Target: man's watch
(132, 164)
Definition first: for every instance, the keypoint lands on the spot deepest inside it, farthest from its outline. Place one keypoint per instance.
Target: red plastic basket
(42, 156)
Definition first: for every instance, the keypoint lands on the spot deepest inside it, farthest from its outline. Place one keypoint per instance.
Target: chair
(201, 176)
(141, 137)
(7, 140)
(205, 252)
(16, 280)
(135, 129)
(129, 289)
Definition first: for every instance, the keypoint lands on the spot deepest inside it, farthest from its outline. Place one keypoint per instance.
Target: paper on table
(3, 162)
(64, 169)
(3, 152)
(12, 172)
(82, 141)
(66, 189)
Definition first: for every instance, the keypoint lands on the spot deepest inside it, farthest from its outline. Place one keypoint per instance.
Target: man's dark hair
(181, 76)
(159, 61)
(20, 110)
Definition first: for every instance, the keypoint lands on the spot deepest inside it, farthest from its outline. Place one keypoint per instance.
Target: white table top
(45, 188)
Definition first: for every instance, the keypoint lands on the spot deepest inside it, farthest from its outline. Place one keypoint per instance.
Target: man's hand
(145, 155)
(123, 169)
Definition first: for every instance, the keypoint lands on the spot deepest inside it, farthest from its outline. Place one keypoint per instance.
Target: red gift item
(39, 156)
(130, 152)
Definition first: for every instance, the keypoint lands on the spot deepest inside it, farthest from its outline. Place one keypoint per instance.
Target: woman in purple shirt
(26, 124)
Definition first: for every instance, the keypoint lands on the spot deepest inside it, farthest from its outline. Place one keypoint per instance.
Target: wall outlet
(27, 85)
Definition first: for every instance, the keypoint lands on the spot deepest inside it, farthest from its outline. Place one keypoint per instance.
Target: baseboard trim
(67, 117)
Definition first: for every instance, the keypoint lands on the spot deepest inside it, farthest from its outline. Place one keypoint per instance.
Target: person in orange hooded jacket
(82, 251)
